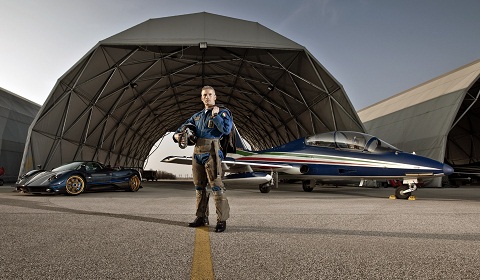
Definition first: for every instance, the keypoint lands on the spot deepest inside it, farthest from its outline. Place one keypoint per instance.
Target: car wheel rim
(75, 185)
(134, 183)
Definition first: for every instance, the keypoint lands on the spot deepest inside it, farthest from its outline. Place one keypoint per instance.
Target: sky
(374, 48)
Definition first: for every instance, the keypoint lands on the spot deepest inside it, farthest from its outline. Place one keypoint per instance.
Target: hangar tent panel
(16, 115)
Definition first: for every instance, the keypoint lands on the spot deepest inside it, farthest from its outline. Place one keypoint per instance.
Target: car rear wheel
(75, 185)
(134, 183)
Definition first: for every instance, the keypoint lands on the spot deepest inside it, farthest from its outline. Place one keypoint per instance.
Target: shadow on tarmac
(248, 229)
(38, 206)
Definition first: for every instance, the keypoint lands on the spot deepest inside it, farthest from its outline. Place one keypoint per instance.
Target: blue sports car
(79, 176)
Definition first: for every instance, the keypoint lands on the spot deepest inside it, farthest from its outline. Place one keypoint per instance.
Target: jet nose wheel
(403, 192)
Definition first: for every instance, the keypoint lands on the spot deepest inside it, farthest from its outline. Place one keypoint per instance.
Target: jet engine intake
(294, 170)
(304, 169)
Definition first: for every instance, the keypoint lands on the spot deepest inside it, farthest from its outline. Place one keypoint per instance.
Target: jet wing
(240, 172)
(260, 166)
(239, 165)
(178, 160)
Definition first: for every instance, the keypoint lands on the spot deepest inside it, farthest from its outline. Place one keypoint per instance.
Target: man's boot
(222, 207)
(221, 226)
(199, 222)
(202, 209)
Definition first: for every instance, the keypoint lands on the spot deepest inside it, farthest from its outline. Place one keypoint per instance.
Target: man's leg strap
(221, 203)
(202, 202)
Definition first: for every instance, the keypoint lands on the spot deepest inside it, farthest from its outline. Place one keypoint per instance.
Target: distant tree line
(154, 175)
(165, 175)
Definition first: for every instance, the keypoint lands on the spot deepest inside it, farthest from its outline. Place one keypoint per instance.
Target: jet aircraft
(337, 156)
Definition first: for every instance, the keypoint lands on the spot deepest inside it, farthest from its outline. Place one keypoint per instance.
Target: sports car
(78, 176)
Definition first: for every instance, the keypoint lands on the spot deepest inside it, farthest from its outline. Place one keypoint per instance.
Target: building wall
(16, 115)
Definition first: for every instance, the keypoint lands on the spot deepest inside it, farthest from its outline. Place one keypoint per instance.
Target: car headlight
(53, 177)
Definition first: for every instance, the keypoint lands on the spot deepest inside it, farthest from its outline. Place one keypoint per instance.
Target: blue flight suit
(206, 160)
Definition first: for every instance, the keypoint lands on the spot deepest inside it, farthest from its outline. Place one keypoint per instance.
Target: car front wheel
(75, 185)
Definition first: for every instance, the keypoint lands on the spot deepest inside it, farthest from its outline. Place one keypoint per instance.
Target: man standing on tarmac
(210, 125)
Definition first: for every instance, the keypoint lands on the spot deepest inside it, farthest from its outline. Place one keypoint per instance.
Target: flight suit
(206, 160)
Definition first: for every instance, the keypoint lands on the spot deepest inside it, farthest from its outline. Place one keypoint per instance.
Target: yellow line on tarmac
(202, 267)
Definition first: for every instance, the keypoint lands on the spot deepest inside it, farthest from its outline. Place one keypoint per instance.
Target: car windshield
(68, 166)
(350, 140)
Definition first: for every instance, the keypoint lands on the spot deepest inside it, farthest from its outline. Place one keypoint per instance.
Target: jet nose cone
(447, 169)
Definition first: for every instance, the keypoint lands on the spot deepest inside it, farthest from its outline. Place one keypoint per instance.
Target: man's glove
(187, 137)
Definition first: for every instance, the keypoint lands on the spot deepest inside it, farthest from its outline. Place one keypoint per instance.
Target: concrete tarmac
(330, 233)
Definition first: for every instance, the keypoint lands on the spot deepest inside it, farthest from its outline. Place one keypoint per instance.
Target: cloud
(314, 11)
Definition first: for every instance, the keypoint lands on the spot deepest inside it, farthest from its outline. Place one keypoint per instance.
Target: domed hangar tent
(438, 119)
(132, 88)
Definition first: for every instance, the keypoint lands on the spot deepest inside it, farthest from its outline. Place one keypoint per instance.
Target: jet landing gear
(308, 185)
(404, 191)
(266, 187)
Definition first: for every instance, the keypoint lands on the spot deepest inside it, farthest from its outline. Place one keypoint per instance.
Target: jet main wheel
(134, 183)
(265, 188)
(399, 192)
(75, 185)
(306, 186)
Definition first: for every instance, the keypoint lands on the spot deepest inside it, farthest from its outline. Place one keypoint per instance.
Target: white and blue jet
(332, 157)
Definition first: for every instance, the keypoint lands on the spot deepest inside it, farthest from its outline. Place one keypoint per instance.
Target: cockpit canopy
(352, 141)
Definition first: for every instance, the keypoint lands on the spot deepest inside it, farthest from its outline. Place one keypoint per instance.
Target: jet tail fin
(233, 141)
(239, 142)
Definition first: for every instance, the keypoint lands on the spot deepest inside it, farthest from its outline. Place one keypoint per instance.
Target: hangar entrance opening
(463, 144)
